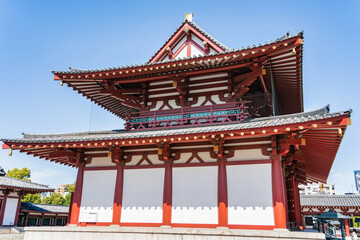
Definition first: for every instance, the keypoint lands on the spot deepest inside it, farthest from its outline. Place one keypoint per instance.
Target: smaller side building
(357, 180)
(317, 188)
(32, 214)
(348, 205)
(11, 191)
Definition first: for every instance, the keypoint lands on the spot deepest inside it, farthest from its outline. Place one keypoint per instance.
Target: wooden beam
(127, 100)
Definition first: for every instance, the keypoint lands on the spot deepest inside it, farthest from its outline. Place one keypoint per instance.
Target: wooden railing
(188, 116)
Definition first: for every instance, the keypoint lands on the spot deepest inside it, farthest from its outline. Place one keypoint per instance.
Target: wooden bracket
(117, 155)
(127, 100)
(164, 151)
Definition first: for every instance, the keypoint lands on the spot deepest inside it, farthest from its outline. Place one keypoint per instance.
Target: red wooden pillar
(347, 229)
(41, 219)
(167, 195)
(118, 196)
(278, 192)
(3, 206)
(55, 220)
(297, 205)
(20, 194)
(75, 206)
(26, 219)
(222, 194)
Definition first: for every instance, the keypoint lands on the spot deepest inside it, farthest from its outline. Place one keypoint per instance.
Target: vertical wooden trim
(167, 194)
(2, 213)
(55, 219)
(41, 219)
(70, 208)
(346, 225)
(297, 206)
(75, 207)
(278, 192)
(118, 195)
(17, 210)
(26, 219)
(222, 194)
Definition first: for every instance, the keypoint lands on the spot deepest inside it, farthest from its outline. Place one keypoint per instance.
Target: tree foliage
(55, 199)
(70, 188)
(33, 198)
(23, 174)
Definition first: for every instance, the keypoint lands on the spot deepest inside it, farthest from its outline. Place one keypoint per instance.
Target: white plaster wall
(250, 194)
(195, 51)
(98, 196)
(197, 40)
(248, 154)
(10, 211)
(179, 44)
(195, 195)
(182, 53)
(143, 195)
(101, 162)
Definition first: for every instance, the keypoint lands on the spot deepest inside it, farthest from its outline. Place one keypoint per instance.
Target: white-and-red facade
(214, 137)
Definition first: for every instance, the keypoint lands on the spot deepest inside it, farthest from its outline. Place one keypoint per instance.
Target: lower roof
(322, 130)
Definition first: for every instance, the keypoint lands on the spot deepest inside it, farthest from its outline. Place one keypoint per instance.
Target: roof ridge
(175, 60)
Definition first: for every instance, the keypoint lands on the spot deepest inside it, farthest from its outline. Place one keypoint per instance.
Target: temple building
(11, 192)
(214, 137)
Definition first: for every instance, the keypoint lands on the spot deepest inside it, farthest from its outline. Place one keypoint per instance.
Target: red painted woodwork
(70, 209)
(222, 194)
(17, 210)
(41, 220)
(278, 192)
(118, 196)
(167, 194)
(3, 206)
(347, 229)
(75, 207)
(188, 116)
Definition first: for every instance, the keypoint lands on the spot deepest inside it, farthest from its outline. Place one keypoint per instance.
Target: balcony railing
(188, 116)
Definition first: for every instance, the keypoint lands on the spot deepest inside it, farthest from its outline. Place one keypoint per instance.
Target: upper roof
(284, 61)
(14, 183)
(47, 208)
(330, 200)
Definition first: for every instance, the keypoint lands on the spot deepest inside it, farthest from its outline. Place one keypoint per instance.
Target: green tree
(23, 174)
(54, 199)
(33, 198)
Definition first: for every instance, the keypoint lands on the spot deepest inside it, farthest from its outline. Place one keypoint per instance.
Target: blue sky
(37, 37)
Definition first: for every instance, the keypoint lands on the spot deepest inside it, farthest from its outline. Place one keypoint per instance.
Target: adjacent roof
(13, 183)
(47, 208)
(330, 200)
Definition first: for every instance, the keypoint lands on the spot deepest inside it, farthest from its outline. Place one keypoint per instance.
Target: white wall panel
(98, 196)
(101, 162)
(182, 53)
(250, 194)
(195, 195)
(143, 195)
(248, 154)
(195, 51)
(10, 211)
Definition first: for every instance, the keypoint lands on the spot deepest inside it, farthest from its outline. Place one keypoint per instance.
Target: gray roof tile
(122, 134)
(34, 207)
(10, 182)
(330, 200)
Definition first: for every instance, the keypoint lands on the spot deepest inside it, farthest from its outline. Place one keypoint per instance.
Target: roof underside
(320, 129)
(283, 59)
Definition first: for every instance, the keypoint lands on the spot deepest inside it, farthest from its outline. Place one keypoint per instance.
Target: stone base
(144, 233)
